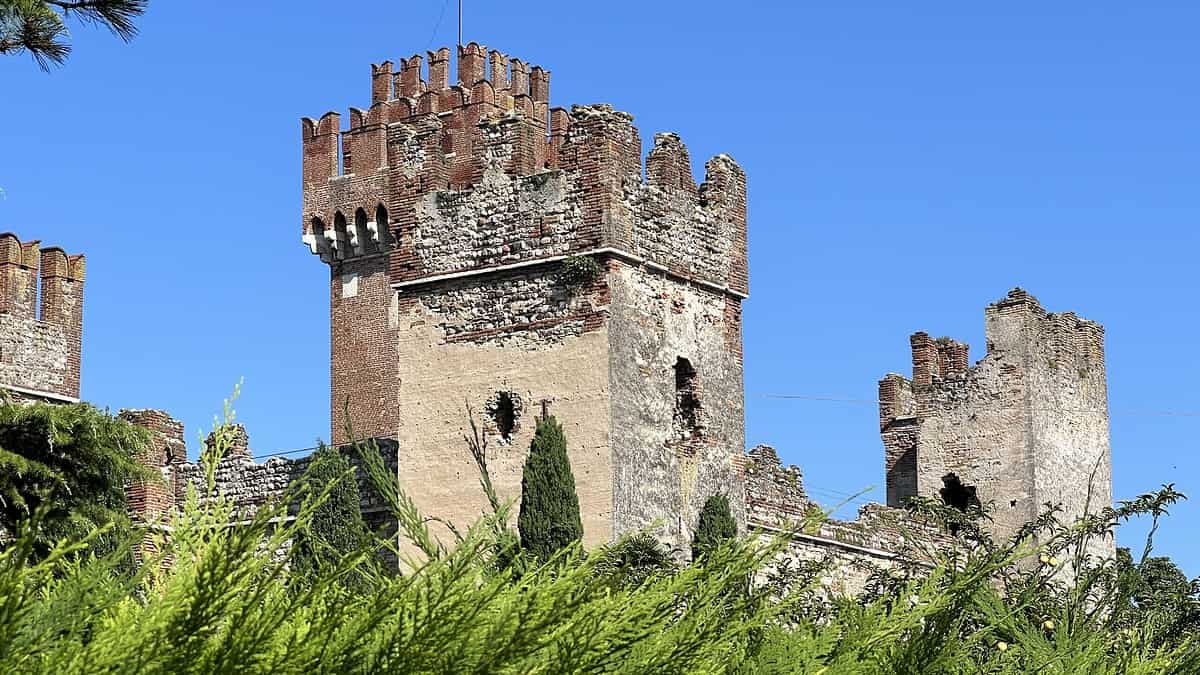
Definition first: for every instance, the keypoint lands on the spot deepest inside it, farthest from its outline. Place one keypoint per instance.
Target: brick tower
(41, 331)
(1025, 426)
(487, 251)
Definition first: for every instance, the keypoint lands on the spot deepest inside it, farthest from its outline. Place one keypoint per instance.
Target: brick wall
(41, 320)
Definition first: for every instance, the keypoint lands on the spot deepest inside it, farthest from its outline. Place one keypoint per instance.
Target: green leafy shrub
(715, 527)
(635, 559)
(578, 271)
(229, 604)
(549, 520)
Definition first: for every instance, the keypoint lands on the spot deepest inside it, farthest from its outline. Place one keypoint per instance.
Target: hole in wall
(504, 411)
(957, 494)
(687, 400)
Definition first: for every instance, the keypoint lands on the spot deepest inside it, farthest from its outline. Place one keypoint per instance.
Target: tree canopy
(70, 461)
(39, 27)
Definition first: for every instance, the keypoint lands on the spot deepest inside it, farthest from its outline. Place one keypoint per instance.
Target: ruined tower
(1025, 426)
(491, 253)
(41, 321)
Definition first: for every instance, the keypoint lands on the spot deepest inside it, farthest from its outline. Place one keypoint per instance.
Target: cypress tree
(337, 527)
(716, 526)
(549, 519)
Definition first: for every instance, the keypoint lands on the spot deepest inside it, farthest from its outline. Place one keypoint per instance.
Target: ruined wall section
(677, 403)
(1069, 428)
(880, 538)
(249, 485)
(41, 320)
(1026, 425)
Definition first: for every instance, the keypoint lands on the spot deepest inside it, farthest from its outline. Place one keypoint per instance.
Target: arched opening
(318, 243)
(385, 229)
(361, 236)
(339, 236)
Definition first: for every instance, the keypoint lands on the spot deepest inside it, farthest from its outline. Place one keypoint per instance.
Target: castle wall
(667, 467)
(521, 334)
(41, 333)
(880, 538)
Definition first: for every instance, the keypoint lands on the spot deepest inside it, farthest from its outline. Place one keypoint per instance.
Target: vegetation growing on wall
(578, 271)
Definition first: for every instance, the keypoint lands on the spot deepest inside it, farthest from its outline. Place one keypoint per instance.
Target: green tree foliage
(39, 27)
(70, 461)
(715, 527)
(549, 519)
(228, 605)
(336, 528)
(634, 560)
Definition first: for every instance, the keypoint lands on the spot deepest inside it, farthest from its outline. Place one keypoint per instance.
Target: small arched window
(385, 228)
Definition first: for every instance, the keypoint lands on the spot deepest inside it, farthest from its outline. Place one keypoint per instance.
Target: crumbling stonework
(1026, 426)
(41, 333)
(249, 485)
(881, 538)
(476, 194)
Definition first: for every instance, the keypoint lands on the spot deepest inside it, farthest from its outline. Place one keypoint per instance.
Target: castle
(496, 259)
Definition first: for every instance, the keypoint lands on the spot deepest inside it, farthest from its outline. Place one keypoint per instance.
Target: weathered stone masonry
(1026, 426)
(475, 195)
(41, 333)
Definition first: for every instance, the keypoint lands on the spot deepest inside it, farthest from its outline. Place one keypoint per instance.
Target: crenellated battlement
(454, 177)
(1016, 430)
(41, 319)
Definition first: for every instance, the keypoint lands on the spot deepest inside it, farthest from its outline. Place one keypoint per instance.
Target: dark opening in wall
(687, 400)
(504, 410)
(958, 495)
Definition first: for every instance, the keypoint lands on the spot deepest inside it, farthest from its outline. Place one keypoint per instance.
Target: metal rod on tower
(459, 23)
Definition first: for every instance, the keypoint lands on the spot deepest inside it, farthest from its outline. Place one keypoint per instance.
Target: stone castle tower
(41, 321)
(488, 252)
(1026, 426)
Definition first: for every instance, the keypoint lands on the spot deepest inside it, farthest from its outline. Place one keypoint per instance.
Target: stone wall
(1027, 425)
(880, 538)
(41, 334)
(249, 485)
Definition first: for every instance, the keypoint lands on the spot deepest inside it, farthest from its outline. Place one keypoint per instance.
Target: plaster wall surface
(665, 472)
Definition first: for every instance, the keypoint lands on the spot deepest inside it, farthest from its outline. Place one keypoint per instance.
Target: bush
(634, 560)
(715, 527)
(549, 519)
(336, 528)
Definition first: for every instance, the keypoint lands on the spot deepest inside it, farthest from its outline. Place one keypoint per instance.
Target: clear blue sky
(908, 164)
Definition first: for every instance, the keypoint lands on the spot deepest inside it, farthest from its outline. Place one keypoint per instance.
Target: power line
(1125, 412)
